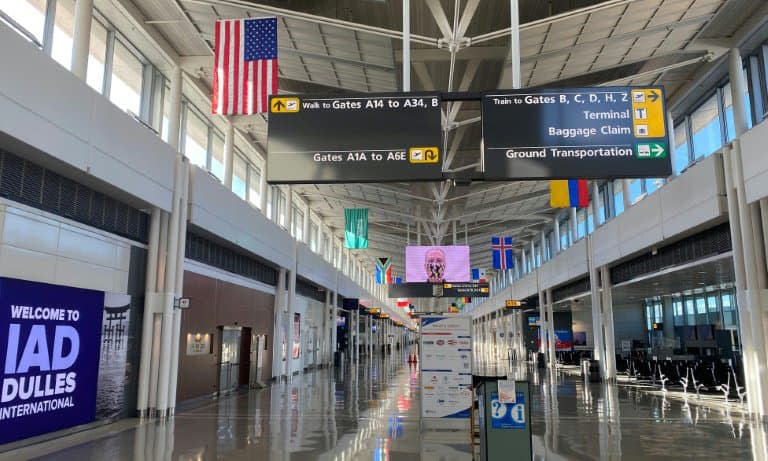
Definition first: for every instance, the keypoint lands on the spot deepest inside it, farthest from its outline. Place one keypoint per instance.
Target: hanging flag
(502, 253)
(565, 193)
(478, 275)
(245, 65)
(356, 228)
(383, 271)
(403, 303)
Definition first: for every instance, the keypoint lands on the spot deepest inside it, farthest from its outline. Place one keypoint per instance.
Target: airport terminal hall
(383, 230)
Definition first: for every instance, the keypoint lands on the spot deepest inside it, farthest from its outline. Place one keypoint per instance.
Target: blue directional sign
(508, 415)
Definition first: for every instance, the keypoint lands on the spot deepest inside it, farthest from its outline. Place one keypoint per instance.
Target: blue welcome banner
(50, 339)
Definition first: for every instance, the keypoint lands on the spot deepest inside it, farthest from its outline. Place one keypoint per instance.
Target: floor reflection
(371, 412)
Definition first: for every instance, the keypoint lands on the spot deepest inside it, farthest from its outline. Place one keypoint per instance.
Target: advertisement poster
(563, 340)
(112, 382)
(446, 367)
(296, 350)
(437, 264)
(50, 338)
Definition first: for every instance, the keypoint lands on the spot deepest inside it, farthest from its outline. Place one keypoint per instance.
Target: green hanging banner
(356, 228)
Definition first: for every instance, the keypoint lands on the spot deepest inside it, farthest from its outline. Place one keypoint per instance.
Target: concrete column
(291, 305)
(174, 108)
(595, 207)
(597, 321)
(278, 336)
(370, 337)
(551, 329)
(556, 246)
(543, 245)
(171, 261)
(609, 367)
(81, 37)
(334, 301)
(542, 323)
(229, 154)
(179, 286)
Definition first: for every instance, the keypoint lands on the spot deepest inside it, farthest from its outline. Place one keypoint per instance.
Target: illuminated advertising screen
(437, 264)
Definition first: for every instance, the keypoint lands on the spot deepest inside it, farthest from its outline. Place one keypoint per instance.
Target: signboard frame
(417, 134)
(585, 151)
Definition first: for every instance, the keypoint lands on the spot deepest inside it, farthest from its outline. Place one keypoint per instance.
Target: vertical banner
(50, 339)
(356, 228)
(446, 367)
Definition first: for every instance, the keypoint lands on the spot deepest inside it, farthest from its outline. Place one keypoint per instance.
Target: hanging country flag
(478, 275)
(356, 228)
(566, 193)
(501, 249)
(244, 65)
(383, 271)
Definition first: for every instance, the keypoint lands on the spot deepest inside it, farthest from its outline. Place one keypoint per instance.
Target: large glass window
(653, 184)
(298, 224)
(730, 318)
(97, 56)
(565, 234)
(217, 156)
(706, 129)
(635, 190)
(313, 230)
(196, 139)
(581, 223)
(166, 113)
(254, 185)
(690, 311)
(590, 221)
(27, 16)
(282, 208)
(127, 77)
(730, 125)
(677, 311)
(239, 176)
(601, 205)
(61, 48)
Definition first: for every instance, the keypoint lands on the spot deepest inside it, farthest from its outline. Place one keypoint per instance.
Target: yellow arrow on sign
(284, 105)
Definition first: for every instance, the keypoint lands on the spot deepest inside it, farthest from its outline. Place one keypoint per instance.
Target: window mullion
(50, 20)
(689, 139)
(109, 58)
(721, 114)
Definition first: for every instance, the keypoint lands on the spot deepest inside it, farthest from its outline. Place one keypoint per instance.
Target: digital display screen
(533, 321)
(437, 264)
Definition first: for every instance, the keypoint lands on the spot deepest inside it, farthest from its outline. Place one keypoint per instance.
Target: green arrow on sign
(651, 150)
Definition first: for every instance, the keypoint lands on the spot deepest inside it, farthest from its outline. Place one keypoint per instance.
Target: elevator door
(229, 367)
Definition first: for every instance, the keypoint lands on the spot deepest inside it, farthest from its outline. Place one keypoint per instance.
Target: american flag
(245, 65)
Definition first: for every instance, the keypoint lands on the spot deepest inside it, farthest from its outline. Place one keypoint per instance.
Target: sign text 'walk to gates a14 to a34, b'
(601, 132)
(361, 138)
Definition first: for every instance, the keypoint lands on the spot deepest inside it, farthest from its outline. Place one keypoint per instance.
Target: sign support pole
(406, 45)
(514, 13)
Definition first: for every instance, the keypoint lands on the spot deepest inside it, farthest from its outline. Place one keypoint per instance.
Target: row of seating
(696, 375)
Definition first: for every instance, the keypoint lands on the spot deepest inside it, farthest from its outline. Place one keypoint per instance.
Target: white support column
(556, 243)
(543, 328)
(278, 334)
(454, 232)
(81, 37)
(595, 298)
(595, 207)
(229, 155)
(174, 108)
(291, 305)
(609, 369)
(147, 334)
(168, 293)
(551, 329)
(334, 301)
(179, 286)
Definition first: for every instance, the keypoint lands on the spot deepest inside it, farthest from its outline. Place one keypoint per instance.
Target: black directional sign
(439, 290)
(361, 138)
(601, 132)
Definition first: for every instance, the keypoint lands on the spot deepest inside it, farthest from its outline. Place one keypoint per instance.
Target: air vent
(28, 183)
(710, 242)
(571, 289)
(309, 290)
(213, 254)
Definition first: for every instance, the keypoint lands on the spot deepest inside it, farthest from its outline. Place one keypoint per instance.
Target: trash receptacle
(541, 361)
(593, 372)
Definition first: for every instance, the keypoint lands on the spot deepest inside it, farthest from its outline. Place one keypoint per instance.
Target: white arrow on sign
(658, 150)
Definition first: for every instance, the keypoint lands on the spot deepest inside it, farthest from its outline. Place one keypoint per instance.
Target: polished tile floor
(371, 412)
